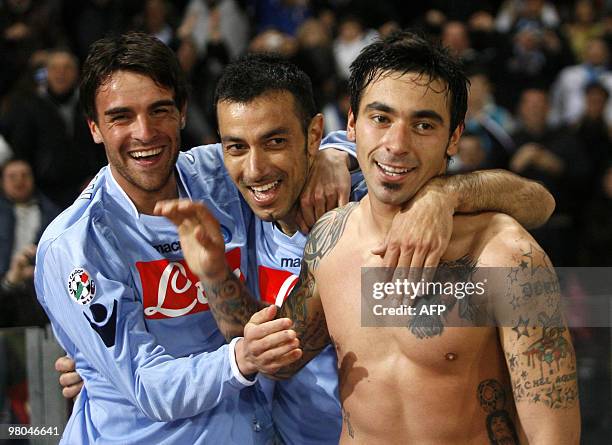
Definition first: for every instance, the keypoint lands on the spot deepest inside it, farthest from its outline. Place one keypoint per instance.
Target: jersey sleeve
(338, 140)
(92, 302)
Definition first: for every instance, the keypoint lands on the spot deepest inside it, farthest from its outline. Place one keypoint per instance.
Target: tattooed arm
(534, 337)
(497, 190)
(420, 233)
(303, 305)
(230, 301)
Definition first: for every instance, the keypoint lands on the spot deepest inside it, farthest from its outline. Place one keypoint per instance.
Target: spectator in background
(26, 26)
(233, 25)
(534, 56)
(352, 38)
(156, 19)
(513, 12)
(201, 74)
(48, 129)
(315, 56)
(335, 112)
(596, 238)
(594, 133)
(470, 155)
(455, 37)
(568, 99)
(24, 214)
(555, 157)
(582, 28)
(86, 21)
(487, 120)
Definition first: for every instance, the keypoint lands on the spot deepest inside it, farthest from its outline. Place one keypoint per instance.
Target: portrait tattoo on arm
(495, 402)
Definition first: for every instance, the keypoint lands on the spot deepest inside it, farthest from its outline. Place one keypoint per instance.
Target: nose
(256, 165)
(397, 139)
(143, 129)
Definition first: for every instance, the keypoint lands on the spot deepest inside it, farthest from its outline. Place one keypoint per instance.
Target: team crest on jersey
(81, 286)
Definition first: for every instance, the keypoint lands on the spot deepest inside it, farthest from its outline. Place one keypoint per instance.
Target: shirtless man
(514, 383)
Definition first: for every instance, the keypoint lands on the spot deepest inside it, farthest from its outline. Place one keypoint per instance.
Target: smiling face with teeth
(267, 154)
(139, 125)
(403, 135)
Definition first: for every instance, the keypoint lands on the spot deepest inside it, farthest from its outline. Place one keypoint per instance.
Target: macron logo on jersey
(170, 289)
(291, 262)
(275, 285)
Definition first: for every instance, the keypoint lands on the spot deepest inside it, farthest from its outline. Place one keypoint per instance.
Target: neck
(145, 200)
(380, 216)
(288, 224)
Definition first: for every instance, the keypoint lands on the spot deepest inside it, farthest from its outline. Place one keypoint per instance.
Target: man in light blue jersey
(270, 132)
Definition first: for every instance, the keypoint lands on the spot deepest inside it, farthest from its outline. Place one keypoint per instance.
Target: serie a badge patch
(81, 286)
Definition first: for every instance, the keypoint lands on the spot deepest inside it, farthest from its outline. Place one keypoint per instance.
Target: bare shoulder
(496, 239)
(326, 233)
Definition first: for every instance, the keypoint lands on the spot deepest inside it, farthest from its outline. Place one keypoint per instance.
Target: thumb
(264, 315)
(379, 250)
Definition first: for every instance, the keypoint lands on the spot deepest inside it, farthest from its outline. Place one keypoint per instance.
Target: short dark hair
(255, 74)
(404, 52)
(136, 52)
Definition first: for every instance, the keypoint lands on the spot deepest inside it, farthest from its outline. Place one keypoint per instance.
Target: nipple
(450, 356)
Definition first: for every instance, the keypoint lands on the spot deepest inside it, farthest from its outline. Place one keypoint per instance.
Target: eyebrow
(419, 114)
(274, 132)
(429, 114)
(159, 103)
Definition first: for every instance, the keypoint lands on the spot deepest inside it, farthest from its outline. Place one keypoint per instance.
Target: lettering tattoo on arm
(303, 305)
(538, 348)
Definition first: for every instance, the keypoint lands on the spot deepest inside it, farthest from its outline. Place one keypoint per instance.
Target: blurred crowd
(539, 102)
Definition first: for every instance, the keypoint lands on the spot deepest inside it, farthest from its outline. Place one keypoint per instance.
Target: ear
(315, 133)
(350, 126)
(183, 115)
(453, 143)
(95, 131)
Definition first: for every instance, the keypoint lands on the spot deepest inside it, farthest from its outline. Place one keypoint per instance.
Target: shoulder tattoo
(326, 233)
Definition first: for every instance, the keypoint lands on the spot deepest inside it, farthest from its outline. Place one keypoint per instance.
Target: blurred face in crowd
(139, 125)
(403, 136)
(583, 11)
(18, 181)
(533, 109)
(455, 37)
(478, 93)
(596, 52)
(470, 152)
(595, 102)
(155, 14)
(267, 154)
(62, 72)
